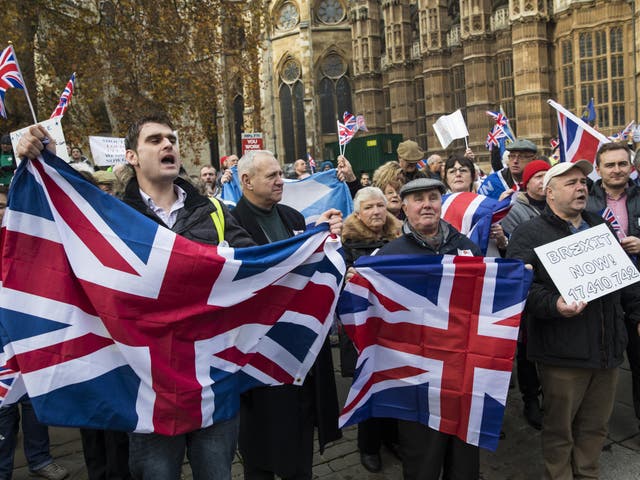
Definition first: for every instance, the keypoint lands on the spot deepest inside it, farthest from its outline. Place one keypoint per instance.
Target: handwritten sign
(107, 151)
(54, 129)
(588, 264)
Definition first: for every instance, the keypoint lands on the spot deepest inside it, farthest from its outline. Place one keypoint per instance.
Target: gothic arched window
(292, 121)
(334, 92)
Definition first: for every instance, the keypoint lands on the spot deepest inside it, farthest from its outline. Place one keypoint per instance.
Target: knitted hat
(531, 169)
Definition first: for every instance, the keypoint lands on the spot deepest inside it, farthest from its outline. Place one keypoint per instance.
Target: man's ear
(245, 181)
(131, 157)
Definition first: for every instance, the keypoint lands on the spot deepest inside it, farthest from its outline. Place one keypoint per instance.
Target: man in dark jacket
(616, 191)
(578, 346)
(156, 190)
(277, 423)
(521, 152)
(427, 452)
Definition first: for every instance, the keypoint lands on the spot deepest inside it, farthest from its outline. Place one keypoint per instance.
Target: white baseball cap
(561, 168)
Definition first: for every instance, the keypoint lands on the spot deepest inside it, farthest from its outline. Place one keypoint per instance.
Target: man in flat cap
(427, 452)
(521, 152)
(409, 154)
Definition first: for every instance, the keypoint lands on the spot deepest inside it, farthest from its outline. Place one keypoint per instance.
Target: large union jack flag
(10, 76)
(436, 338)
(473, 214)
(65, 98)
(578, 140)
(116, 322)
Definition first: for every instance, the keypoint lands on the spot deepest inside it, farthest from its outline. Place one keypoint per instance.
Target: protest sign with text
(588, 264)
(53, 128)
(107, 151)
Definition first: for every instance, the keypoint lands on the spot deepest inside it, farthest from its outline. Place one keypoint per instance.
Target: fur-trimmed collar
(356, 231)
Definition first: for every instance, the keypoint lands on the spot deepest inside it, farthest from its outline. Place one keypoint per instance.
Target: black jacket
(596, 338)
(408, 244)
(271, 422)
(598, 202)
(194, 220)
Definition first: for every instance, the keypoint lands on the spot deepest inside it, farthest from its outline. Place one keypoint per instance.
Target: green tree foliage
(134, 57)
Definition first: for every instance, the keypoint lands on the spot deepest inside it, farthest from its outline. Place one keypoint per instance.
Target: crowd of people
(568, 353)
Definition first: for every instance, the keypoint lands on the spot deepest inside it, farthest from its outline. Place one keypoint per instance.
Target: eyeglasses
(521, 156)
(460, 170)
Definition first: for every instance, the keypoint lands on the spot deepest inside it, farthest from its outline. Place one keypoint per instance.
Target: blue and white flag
(232, 190)
(316, 194)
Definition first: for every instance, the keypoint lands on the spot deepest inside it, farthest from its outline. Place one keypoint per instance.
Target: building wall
(411, 61)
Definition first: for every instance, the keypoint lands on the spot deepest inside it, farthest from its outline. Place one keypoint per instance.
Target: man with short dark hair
(277, 423)
(577, 347)
(615, 190)
(208, 179)
(156, 190)
(521, 152)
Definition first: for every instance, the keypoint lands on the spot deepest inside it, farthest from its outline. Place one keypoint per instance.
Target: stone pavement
(518, 456)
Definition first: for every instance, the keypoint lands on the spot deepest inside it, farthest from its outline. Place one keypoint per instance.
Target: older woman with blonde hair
(389, 178)
(368, 228)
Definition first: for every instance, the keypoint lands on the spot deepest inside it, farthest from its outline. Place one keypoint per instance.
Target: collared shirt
(619, 209)
(170, 217)
(583, 226)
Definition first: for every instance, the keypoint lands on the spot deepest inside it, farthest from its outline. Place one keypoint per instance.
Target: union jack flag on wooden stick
(65, 98)
(10, 76)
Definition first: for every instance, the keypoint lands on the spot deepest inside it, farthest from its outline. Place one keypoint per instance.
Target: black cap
(421, 184)
(5, 140)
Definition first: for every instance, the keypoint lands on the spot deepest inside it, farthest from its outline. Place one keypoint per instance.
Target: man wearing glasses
(521, 152)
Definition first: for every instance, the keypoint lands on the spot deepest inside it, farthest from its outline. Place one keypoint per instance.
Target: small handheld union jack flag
(65, 98)
(350, 121)
(312, 163)
(10, 76)
(611, 219)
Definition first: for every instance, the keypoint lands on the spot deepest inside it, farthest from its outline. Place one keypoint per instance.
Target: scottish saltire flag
(612, 220)
(232, 190)
(115, 322)
(578, 140)
(436, 338)
(316, 194)
(473, 214)
(10, 76)
(65, 98)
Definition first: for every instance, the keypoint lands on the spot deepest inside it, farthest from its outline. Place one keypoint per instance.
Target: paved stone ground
(518, 456)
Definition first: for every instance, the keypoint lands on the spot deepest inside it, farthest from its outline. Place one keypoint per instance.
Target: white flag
(450, 127)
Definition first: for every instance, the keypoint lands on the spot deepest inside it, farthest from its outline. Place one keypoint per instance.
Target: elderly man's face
(266, 182)
(231, 161)
(423, 210)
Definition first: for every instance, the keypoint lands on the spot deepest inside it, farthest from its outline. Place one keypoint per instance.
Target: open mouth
(168, 160)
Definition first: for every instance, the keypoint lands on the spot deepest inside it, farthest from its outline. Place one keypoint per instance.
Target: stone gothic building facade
(404, 63)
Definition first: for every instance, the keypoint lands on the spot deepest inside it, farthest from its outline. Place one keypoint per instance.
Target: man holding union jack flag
(155, 190)
(426, 451)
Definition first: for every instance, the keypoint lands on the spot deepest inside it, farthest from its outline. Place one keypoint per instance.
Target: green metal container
(366, 152)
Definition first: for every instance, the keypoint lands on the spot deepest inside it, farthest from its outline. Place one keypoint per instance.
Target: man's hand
(497, 233)
(352, 271)
(33, 143)
(507, 193)
(334, 217)
(631, 245)
(226, 176)
(569, 310)
(468, 153)
(345, 171)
